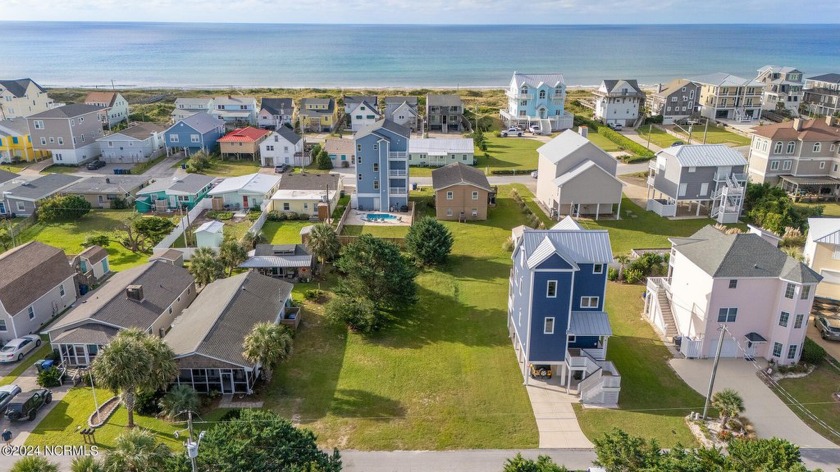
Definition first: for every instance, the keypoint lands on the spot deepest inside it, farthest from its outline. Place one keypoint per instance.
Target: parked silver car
(15, 349)
(829, 328)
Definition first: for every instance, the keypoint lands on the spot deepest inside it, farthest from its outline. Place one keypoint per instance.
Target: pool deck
(357, 218)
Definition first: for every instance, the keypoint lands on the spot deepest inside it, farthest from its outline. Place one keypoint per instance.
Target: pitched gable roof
(437, 100)
(15, 126)
(254, 183)
(383, 124)
(42, 187)
(94, 254)
(576, 246)
(369, 107)
(824, 230)
(398, 100)
(288, 134)
(357, 99)
(108, 98)
(189, 184)
(535, 80)
(459, 174)
(673, 86)
(564, 145)
(612, 85)
(201, 122)
(811, 130)
(339, 146)
(588, 166)
(248, 134)
(567, 223)
(277, 106)
(722, 79)
(705, 155)
(68, 111)
(18, 87)
(30, 271)
(833, 78)
(141, 131)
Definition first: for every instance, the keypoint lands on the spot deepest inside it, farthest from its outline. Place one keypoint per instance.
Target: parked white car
(535, 129)
(511, 132)
(16, 349)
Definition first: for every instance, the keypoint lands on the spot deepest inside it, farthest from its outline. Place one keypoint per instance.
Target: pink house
(741, 282)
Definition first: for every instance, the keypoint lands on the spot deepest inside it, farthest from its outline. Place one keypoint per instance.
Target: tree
(619, 451)
(260, 441)
(86, 464)
(764, 454)
(323, 161)
(542, 464)
(178, 399)
(232, 254)
(141, 233)
(267, 344)
(134, 361)
(206, 266)
(34, 464)
(63, 208)
(6, 240)
(97, 239)
(729, 404)
(429, 241)
(137, 451)
(359, 313)
(250, 240)
(323, 243)
(622, 260)
(376, 269)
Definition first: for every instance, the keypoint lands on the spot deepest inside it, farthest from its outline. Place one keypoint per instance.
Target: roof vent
(134, 292)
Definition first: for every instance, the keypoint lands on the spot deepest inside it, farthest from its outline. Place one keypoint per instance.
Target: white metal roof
(259, 184)
(589, 323)
(705, 155)
(442, 145)
(561, 146)
(534, 80)
(567, 223)
(577, 246)
(722, 79)
(285, 194)
(211, 227)
(824, 230)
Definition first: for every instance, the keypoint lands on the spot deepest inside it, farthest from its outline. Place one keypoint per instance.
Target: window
(194, 138)
(548, 327)
(60, 140)
(774, 165)
(589, 302)
(450, 196)
(778, 148)
(692, 169)
(375, 146)
(727, 315)
(20, 206)
(674, 99)
(475, 195)
(791, 351)
(449, 213)
(542, 94)
(61, 290)
(376, 185)
(598, 268)
(790, 147)
(817, 148)
(170, 310)
(805, 293)
(43, 141)
(777, 349)
(359, 159)
(286, 206)
(822, 164)
(31, 312)
(551, 289)
(786, 165)
(52, 140)
(39, 124)
(733, 283)
(683, 189)
(358, 147)
(800, 318)
(360, 177)
(783, 319)
(2, 325)
(173, 138)
(789, 290)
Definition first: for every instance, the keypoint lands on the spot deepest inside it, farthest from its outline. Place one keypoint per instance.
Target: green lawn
(444, 377)
(60, 426)
(528, 198)
(657, 136)
(602, 142)
(283, 232)
(16, 167)
(714, 135)
(512, 153)
(829, 208)
(378, 231)
(815, 393)
(59, 169)
(69, 236)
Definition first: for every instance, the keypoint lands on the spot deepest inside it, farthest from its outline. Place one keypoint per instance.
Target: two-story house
(37, 284)
(822, 254)
(801, 155)
(185, 107)
(307, 194)
(783, 87)
(729, 97)
(714, 280)
(242, 143)
(556, 315)
(275, 112)
(444, 113)
(382, 167)
(167, 194)
(283, 146)
(197, 132)
(16, 142)
(675, 101)
(576, 177)
(462, 193)
(235, 111)
(318, 115)
(68, 132)
(352, 101)
(103, 191)
(618, 102)
(708, 176)
(822, 94)
(148, 297)
(537, 100)
(21, 98)
(114, 107)
(363, 114)
(402, 111)
(139, 142)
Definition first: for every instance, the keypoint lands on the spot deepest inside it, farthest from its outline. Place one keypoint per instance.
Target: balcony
(397, 156)
(519, 96)
(398, 191)
(398, 173)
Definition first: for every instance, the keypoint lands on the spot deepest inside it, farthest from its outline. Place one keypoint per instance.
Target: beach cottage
(179, 192)
(244, 192)
(197, 132)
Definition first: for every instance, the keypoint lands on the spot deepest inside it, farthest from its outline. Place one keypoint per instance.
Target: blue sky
(428, 11)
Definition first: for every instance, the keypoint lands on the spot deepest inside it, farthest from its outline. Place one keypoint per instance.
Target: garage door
(729, 349)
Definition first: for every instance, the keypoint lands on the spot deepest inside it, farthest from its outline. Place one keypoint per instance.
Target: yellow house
(318, 115)
(16, 143)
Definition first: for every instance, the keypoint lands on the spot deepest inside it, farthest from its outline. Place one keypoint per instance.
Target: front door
(376, 204)
(749, 352)
(245, 202)
(227, 381)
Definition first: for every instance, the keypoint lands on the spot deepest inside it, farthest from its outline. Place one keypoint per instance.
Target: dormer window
(524, 90)
(542, 94)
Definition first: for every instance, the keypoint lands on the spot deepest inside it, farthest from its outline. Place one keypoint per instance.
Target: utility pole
(650, 131)
(690, 127)
(191, 442)
(723, 331)
(705, 130)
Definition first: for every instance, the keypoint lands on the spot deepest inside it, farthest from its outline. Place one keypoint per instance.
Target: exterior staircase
(667, 315)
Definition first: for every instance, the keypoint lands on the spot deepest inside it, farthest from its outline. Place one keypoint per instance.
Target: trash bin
(414, 186)
(183, 166)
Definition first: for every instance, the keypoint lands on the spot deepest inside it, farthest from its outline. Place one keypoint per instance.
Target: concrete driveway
(831, 347)
(770, 416)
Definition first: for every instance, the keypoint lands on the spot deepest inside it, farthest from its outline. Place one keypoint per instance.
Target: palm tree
(85, 464)
(729, 404)
(232, 254)
(267, 344)
(250, 240)
(34, 464)
(134, 361)
(137, 451)
(206, 266)
(179, 398)
(324, 244)
(622, 260)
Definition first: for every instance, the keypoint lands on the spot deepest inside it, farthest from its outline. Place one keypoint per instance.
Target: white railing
(596, 353)
(519, 96)
(575, 360)
(397, 173)
(662, 209)
(654, 284)
(397, 155)
(397, 191)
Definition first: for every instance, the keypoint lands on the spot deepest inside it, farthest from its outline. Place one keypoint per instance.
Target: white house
(362, 115)
(211, 234)
(137, 143)
(283, 146)
(618, 102)
(114, 107)
(822, 253)
(245, 192)
(185, 107)
(402, 110)
(235, 110)
(741, 282)
(275, 112)
(437, 152)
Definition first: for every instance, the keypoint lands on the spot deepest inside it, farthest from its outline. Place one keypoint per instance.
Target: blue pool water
(381, 216)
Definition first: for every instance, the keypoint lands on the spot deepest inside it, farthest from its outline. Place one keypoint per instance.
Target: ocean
(195, 55)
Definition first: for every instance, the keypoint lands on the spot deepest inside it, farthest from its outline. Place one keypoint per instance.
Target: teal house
(179, 192)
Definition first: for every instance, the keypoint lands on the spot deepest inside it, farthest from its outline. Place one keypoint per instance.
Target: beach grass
(714, 135)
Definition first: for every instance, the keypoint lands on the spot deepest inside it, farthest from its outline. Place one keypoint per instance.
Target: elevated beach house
(707, 178)
(537, 100)
(822, 94)
(283, 146)
(235, 111)
(363, 114)
(462, 193)
(353, 101)
(576, 177)
(68, 132)
(275, 112)
(185, 107)
(20, 98)
(148, 297)
(207, 338)
(822, 254)
(242, 143)
(16, 142)
(444, 113)
(178, 192)
(729, 97)
(675, 101)
(402, 110)
(289, 261)
(140, 142)
(197, 132)
(114, 107)
(37, 284)
(244, 192)
(382, 167)
(619, 102)
(714, 280)
(556, 315)
(436, 152)
(783, 88)
(318, 115)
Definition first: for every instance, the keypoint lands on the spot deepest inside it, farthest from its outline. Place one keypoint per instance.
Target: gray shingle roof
(42, 187)
(833, 78)
(139, 131)
(280, 255)
(611, 84)
(443, 100)
(288, 134)
(277, 106)
(92, 333)
(68, 111)
(224, 313)
(18, 126)
(94, 254)
(459, 174)
(111, 185)
(398, 100)
(741, 255)
(201, 122)
(308, 182)
(383, 124)
(357, 99)
(6, 176)
(18, 87)
(30, 271)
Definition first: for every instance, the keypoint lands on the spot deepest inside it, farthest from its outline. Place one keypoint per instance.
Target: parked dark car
(28, 405)
(7, 393)
(97, 164)
(828, 328)
(281, 168)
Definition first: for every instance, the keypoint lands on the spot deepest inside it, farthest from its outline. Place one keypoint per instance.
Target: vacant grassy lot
(70, 235)
(512, 153)
(378, 231)
(814, 392)
(436, 379)
(657, 136)
(714, 135)
(283, 232)
(58, 169)
(603, 142)
(233, 167)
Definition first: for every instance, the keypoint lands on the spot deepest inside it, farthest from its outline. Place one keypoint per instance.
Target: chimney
(658, 88)
(134, 292)
(583, 131)
(797, 124)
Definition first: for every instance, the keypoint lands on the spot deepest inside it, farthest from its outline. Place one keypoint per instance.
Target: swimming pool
(380, 216)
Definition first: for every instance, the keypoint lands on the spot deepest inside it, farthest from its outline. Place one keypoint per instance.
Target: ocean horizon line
(476, 25)
(299, 87)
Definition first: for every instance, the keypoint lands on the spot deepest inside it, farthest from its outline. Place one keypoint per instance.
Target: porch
(810, 189)
(222, 380)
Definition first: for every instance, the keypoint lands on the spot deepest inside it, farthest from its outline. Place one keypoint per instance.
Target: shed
(210, 234)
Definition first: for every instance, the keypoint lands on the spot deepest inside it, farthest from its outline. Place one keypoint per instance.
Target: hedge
(622, 141)
(512, 171)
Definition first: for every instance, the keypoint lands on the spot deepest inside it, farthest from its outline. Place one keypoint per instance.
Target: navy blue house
(382, 166)
(556, 311)
(198, 132)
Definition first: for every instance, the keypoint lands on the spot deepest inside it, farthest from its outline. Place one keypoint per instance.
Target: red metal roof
(244, 135)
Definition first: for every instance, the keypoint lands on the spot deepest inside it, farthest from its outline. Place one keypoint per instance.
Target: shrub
(313, 294)
(511, 171)
(291, 215)
(345, 164)
(220, 215)
(358, 313)
(812, 353)
(232, 414)
(147, 403)
(429, 241)
(303, 216)
(252, 216)
(632, 276)
(49, 378)
(63, 208)
(508, 245)
(276, 216)
(119, 203)
(612, 274)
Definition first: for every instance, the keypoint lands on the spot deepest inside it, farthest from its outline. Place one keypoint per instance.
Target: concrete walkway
(556, 421)
(770, 416)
